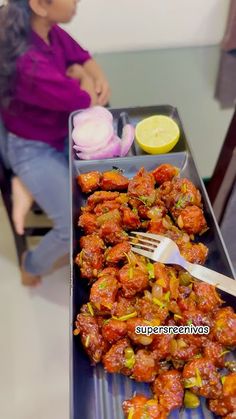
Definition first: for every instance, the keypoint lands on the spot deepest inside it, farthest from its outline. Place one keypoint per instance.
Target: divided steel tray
(96, 394)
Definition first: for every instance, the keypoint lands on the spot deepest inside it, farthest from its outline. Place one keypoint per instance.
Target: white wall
(116, 25)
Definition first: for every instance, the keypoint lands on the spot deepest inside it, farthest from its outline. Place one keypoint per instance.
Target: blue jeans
(45, 172)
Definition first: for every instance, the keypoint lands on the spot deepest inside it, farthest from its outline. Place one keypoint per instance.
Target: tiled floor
(34, 324)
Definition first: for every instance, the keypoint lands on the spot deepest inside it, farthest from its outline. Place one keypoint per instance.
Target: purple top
(44, 96)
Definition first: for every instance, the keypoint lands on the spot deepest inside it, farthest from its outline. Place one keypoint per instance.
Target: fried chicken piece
(178, 194)
(150, 311)
(112, 233)
(185, 347)
(122, 199)
(207, 297)
(88, 222)
(194, 253)
(113, 330)
(103, 293)
(195, 317)
(157, 211)
(142, 186)
(106, 206)
(225, 405)
(114, 180)
(99, 197)
(92, 241)
(113, 215)
(91, 258)
(187, 300)
(118, 253)
(165, 172)
(139, 407)
(161, 346)
(114, 360)
(215, 352)
(197, 340)
(201, 376)
(145, 212)
(224, 328)
(169, 391)
(133, 280)
(123, 306)
(91, 338)
(191, 219)
(89, 182)
(166, 227)
(141, 211)
(164, 191)
(161, 275)
(144, 369)
(156, 227)
(135, 203)
(229, 387)
(184, 192)
(109, 271)
(130, 220)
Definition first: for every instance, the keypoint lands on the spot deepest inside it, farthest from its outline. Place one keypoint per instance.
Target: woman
(44, 76)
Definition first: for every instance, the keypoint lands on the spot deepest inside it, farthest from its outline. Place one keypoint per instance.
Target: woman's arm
(77, 72)
(44, 86)
(102, 87)
(75, 55)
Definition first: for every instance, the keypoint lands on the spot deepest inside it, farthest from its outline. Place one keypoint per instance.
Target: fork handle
(222, 282)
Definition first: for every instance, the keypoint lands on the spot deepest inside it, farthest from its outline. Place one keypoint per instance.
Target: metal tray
(96, 394)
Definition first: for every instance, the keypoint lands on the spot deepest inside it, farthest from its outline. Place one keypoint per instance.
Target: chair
(5, 188)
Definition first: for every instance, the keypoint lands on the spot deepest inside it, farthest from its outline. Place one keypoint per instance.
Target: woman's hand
(102, 89)
(92, 80)
(87, 84)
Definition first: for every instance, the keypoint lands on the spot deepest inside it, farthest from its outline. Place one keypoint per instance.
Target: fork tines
(156, 237)
(144, 240)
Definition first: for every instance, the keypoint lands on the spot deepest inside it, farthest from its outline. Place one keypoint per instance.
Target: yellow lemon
(157, 134)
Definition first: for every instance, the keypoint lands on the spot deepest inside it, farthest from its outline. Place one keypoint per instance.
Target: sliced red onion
(92, 131)
(95, 111)
(91, 148)
(94, 138)
(127, 139)
(80, 117)
(85, 149)
(103, 113)
(113, 149)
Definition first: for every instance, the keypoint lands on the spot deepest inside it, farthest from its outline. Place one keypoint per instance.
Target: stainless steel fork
(164, 250)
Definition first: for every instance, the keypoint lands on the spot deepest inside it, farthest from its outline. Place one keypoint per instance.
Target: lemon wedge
(157, 134)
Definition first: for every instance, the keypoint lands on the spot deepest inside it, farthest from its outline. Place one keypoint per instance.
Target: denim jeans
(45, 172)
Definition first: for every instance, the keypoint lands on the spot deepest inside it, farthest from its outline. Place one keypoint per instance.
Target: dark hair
(14, 41)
